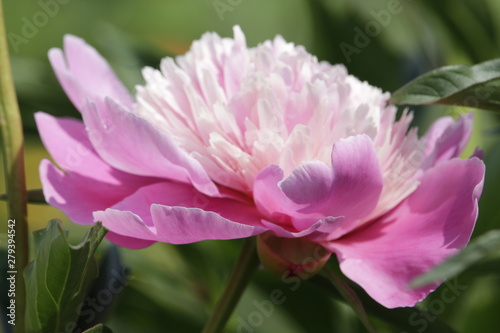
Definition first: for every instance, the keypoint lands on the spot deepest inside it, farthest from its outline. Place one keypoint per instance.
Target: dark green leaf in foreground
(59, 277)
(475, 86)
(112, 280)
(475, 251)
(405, 319)
(99, 329)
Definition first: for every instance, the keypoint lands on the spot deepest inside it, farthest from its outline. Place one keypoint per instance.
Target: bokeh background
(173, 288)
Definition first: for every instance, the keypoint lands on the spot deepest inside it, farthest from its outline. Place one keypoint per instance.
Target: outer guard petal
(87, 183)
(178, 214)
(84, 73)
(133, 145)
(430, 225)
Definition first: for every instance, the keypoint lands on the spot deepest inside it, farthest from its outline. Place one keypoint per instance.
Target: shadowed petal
(446, 139)
(128, 242)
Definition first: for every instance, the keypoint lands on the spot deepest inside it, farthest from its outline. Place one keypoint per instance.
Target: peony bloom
(230, 142)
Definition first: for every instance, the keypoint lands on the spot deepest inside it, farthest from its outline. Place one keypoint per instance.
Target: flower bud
(284, 257)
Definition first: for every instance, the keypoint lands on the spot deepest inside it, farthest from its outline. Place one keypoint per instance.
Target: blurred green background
(174, 287)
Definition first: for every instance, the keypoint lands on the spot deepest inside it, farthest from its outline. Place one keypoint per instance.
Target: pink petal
(128, 242)
(179, 225)
(432, 224)
(156, 213)
(446, 139)
(350, 188)
(318, 230)
(87, 183)
(84, 73)
(268, 196)
(133, 145)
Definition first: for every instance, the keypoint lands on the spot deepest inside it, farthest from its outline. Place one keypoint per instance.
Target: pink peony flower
(230, 142)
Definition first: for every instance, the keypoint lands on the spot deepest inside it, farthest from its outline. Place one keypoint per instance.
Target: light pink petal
(446, 139)
(127, 223)
(84, 73)
(432, 224)
(177, 213)
(87, 183)
(133, 145)
(318, 230)
(179, 225)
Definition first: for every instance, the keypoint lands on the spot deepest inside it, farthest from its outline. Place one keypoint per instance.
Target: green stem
(13, 149)
(246, 265)
(351, 298)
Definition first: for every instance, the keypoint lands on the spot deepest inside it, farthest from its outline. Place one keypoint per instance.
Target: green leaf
(112, 280)
(99, 329)
(352, 299)
(475, 251)
(59, 277)
(475, 86)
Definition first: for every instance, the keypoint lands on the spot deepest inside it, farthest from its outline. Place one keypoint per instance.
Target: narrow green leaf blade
(475, 251)
(352, 299)
(58, 278)
(475, 86)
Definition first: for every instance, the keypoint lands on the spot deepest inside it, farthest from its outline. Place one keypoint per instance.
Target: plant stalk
(246, 266)
(13, 157)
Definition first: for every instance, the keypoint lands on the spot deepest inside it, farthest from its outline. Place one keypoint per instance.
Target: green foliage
(471, 86)
(475, 251)
(59, 277)
(99, 329)
(352, 298)
(402, 318)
